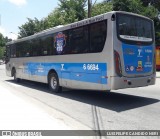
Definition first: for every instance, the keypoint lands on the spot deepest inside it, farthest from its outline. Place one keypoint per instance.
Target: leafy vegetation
(3, 41)
(69, 11)
(101, 8)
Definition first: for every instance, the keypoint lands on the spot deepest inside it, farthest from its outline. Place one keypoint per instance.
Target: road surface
(127, 109)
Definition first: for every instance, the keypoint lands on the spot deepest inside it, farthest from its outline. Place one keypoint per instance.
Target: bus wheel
(15, 76)
(54, 83)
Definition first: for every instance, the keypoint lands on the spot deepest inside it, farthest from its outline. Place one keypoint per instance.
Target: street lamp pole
(89, 8)
(90, 5)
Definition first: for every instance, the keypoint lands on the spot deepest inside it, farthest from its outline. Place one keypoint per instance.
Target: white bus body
(84, 57)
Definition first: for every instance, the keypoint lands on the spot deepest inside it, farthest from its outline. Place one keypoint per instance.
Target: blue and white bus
(111, 51)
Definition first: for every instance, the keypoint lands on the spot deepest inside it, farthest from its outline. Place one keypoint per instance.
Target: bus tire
(17, 80)
(53, 82)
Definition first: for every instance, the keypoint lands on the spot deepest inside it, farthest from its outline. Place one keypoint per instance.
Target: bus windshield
(133, 28)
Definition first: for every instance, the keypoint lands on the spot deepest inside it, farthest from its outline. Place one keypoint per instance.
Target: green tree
(31, 27)
(67, 12)
(2, 51)
(2, 40)
(101, 8)
(135, 6)
(157, 30)
(55, 18)
(2, 45)
(155, 3)
(73, 10)
(152, 9)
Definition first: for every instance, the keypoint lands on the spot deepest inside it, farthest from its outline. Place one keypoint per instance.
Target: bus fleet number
(91, 67)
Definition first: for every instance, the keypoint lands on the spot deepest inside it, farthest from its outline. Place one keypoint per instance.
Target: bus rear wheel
(54, 83)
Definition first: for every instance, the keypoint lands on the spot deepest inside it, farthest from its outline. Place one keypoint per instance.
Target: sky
(14, 13)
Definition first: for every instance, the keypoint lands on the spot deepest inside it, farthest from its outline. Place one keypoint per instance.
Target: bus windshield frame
(140, 30)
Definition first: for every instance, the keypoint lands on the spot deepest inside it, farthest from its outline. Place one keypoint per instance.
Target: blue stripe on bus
(85, 72)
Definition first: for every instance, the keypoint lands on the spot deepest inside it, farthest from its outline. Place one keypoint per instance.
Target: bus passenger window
(26, 49)
(35, 46)
(19, 50)
(79, 40)
(13, 51)
(8, 51)
(47, 45)
(98, 33)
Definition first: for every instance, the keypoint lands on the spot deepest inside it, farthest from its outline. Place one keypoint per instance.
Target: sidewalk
(17, 114)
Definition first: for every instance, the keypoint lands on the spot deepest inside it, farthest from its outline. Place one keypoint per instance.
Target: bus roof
(68, 26)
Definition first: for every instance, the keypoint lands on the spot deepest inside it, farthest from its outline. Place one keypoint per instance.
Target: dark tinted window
(23, 49)
(86, 39)
(36, 47)
(47, 45)
(98, 32)
(13, 50)
(133, 28)
(67, 48)
(19, 50)
(26, 49)
(8, 51)
(78, 40)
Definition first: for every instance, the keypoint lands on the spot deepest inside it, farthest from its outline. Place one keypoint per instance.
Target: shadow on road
(112, 101)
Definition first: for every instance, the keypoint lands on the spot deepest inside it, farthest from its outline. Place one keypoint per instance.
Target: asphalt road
(127, 109)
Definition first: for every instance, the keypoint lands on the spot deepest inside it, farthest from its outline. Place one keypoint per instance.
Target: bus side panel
(88, 73)
(8, 69)
(71, 75)
(64, 82)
